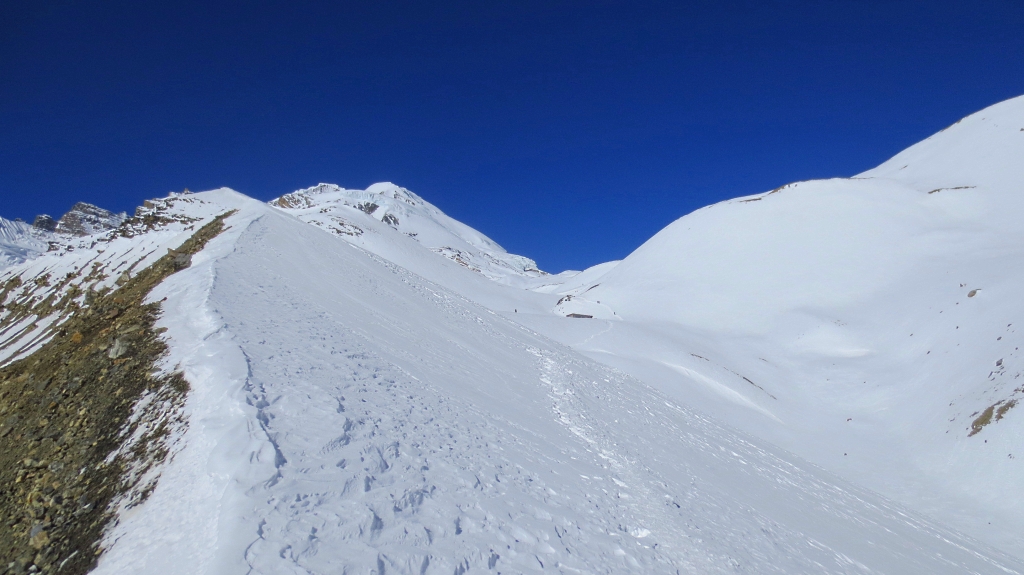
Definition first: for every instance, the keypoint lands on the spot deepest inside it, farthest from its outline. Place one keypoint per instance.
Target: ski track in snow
(415, 432)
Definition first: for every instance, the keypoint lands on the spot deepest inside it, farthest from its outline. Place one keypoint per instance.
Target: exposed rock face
(86, 219)
(45, 223)
(20, 241)
(76, 437)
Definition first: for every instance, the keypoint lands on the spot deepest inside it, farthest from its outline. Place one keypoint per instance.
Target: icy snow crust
(349, 416)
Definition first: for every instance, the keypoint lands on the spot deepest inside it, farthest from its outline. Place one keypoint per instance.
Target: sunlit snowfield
(793, 382)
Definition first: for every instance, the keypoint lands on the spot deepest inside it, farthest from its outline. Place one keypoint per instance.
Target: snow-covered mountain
(18, 242)
(817, 379)
(85, 220)
(368, 218)
(868, 324)
(345, 414)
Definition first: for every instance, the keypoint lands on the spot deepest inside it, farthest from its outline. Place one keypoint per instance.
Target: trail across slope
(354, 417)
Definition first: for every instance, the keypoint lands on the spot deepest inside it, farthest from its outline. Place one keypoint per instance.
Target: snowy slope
(350, 416)
(18, 243)
(867, 324)
(360, 405)
(53, 283)
(376, 215)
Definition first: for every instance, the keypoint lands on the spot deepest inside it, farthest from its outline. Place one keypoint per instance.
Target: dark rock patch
(45, 223)
(67, 453)
(85, 219)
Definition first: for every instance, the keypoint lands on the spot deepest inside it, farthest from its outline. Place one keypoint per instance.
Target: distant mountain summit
(85, 220)
(20, 241)
(385, 209)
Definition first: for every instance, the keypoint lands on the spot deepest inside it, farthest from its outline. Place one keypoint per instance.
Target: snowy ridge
(37, 295)
(350, 416)
(362, 216)
(18, 242)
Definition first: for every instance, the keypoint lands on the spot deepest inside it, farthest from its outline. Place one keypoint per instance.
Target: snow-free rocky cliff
(792, 382)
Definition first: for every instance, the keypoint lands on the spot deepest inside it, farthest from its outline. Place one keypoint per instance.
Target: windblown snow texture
(18, 243)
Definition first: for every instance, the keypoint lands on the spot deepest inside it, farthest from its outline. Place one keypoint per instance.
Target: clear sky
(569, 132)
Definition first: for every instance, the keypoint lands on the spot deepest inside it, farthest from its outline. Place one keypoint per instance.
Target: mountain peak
(358, 215)
(383, 188)
(85, 219)
(20, 241)
(45, 222)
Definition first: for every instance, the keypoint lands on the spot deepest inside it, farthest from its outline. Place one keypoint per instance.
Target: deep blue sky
(569, 132)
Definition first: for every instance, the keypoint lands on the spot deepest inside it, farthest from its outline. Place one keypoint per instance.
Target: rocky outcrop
(86, 219)
(45, 222)
(86, 416)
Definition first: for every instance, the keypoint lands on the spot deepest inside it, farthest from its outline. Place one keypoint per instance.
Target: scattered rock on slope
(76, 437)
(86, 219)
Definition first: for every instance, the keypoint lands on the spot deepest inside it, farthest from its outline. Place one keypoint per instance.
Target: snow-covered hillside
(868, 324)
(349, 416)
(18, 242)
(730, 398)
(38, 295)
(370, 218)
